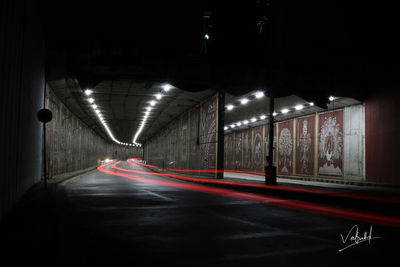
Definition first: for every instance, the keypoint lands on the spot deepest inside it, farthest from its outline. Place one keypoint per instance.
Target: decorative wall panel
(330, 144)
(208, 136)
(258, 148)
(305, 145)
(285, 147)
(247, 149)
(238, 150)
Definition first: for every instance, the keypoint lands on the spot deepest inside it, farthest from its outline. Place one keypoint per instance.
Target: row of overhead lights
(244, 101)
(97, 111)
(263, 117)
(148, 109)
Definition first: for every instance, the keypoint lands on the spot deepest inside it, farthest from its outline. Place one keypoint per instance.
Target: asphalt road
(104, 219)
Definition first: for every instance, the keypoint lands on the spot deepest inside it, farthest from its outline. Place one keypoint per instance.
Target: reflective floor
(115, 217)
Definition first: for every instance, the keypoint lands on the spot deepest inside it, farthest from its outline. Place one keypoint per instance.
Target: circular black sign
(44, 115)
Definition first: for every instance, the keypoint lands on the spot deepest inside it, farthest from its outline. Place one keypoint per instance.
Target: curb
(58, 179)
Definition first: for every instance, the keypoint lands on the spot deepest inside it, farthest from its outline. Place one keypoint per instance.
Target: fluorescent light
(331, 98)
(245, 122)
(159, 96)
(97, 111)
(259, 94)
(88, 92)
(91, 100)
(148, 108)
(311, 103)
(226, 128)
(274, 114)
(262, 117)
(244, 101)
(253, 119)
(239, 124)
(233, 125)
(166, 87)
(230, 107)
(152, 102)
(299, 107)
(94, 106)
(285, 110)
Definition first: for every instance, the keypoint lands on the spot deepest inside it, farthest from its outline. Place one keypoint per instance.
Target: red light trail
(271, 187)
(279, 202)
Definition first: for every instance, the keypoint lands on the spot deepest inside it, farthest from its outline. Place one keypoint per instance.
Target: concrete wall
(22, 85)
(71, 145)
(382, 122)
(188, 142)
(354, 142)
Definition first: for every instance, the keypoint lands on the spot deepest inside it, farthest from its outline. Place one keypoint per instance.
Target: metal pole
(44, 157)
(270, 169)
(220, 135)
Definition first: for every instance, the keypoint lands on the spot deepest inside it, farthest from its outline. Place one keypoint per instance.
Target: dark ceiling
(311, 49)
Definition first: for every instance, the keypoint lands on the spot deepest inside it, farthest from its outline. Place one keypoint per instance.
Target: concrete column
(270, 169)
(220, 134)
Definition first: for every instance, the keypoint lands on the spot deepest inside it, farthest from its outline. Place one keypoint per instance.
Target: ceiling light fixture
(262, 117)
(91, 100)
(159, 96)
(259, 94)
(244, 101)
(229, 107)
(88, 92)
(166, 87)
(299, 107)
(285, 110)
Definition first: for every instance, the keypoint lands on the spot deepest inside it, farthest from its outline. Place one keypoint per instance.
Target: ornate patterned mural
(208, 117)
(238, 150)
(305, 144)
(330, 144)
(258, 148)
(247, 149)
(285, 147)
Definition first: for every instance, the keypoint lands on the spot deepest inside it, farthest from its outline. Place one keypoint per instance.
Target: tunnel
(199, 133)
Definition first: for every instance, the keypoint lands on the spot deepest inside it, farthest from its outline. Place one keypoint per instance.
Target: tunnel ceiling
(125, 50)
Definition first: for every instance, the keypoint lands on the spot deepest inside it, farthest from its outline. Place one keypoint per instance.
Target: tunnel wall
(382, 136)
(328, 145)
(189, 141)
(71, 145)
(322, 145)
(22, 82)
